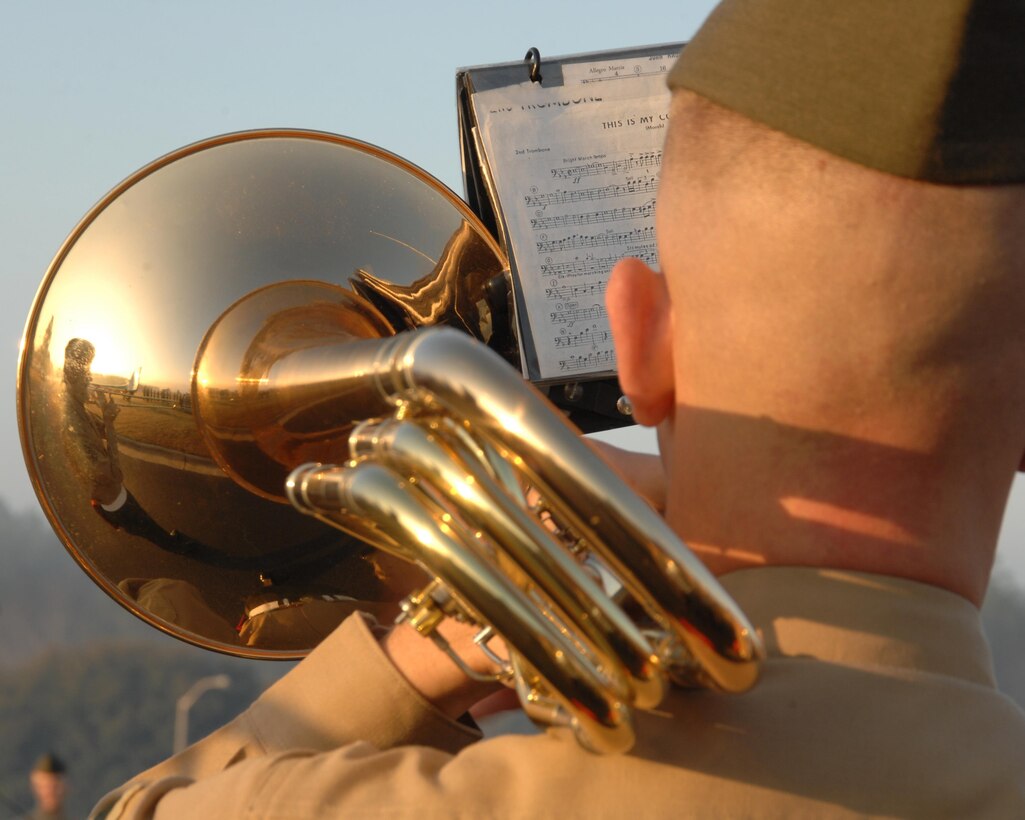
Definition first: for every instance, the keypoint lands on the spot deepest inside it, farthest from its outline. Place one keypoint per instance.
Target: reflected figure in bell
(90, 440)
(299, 600)
(91, 446)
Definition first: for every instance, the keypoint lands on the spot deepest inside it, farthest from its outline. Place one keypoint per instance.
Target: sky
(90, 92)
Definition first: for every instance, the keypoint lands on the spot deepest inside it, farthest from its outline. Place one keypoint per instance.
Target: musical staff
(593, 290)
(594, 265)
(584, 337)
(601, 240)
(650, 159)
(580, 302)
(646, 185)
(595, 217)
(611, 78)
(571, 315)
(597, 360)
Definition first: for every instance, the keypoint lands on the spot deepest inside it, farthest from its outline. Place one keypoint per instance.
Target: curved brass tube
(452, 555)
(437, 457)
(447, 392)
(446, 368)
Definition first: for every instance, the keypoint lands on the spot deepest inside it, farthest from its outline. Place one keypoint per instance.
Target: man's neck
(746, 492)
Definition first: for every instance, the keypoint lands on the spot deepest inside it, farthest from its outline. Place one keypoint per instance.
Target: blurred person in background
(48, 779)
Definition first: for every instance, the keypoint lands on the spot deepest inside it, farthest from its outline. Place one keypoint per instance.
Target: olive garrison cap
(926, 89)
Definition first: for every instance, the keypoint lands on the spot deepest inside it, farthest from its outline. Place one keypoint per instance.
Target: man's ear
(642, 329)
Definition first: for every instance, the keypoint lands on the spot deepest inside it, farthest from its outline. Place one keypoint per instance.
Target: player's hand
(435, 675)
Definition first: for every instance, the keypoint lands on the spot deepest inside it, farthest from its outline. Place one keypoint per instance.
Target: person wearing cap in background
(835, 355)
(48, 780)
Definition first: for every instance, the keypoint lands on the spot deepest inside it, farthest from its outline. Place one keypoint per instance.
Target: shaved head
(841, 296)
(840, 365)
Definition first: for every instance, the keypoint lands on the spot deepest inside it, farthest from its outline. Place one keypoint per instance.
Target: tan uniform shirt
(877, 698)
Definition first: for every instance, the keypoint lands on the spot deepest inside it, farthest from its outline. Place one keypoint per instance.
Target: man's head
(78, 360)
(850, 340)
(49, 786)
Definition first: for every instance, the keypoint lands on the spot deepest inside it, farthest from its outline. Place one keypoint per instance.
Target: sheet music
(575, 167)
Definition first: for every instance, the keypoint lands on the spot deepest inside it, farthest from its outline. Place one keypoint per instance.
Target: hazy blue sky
(89, 92)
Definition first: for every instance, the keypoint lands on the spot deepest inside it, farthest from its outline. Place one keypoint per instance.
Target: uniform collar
(864, 620)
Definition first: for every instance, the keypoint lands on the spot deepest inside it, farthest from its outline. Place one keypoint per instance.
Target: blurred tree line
(108, 711)
(83, 678)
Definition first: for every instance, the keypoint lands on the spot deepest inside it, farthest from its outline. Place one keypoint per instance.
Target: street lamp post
(185, 703)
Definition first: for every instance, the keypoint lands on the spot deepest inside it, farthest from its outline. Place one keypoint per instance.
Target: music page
(575, 168)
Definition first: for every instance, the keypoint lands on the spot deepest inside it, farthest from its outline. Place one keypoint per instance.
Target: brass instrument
(279, 292)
